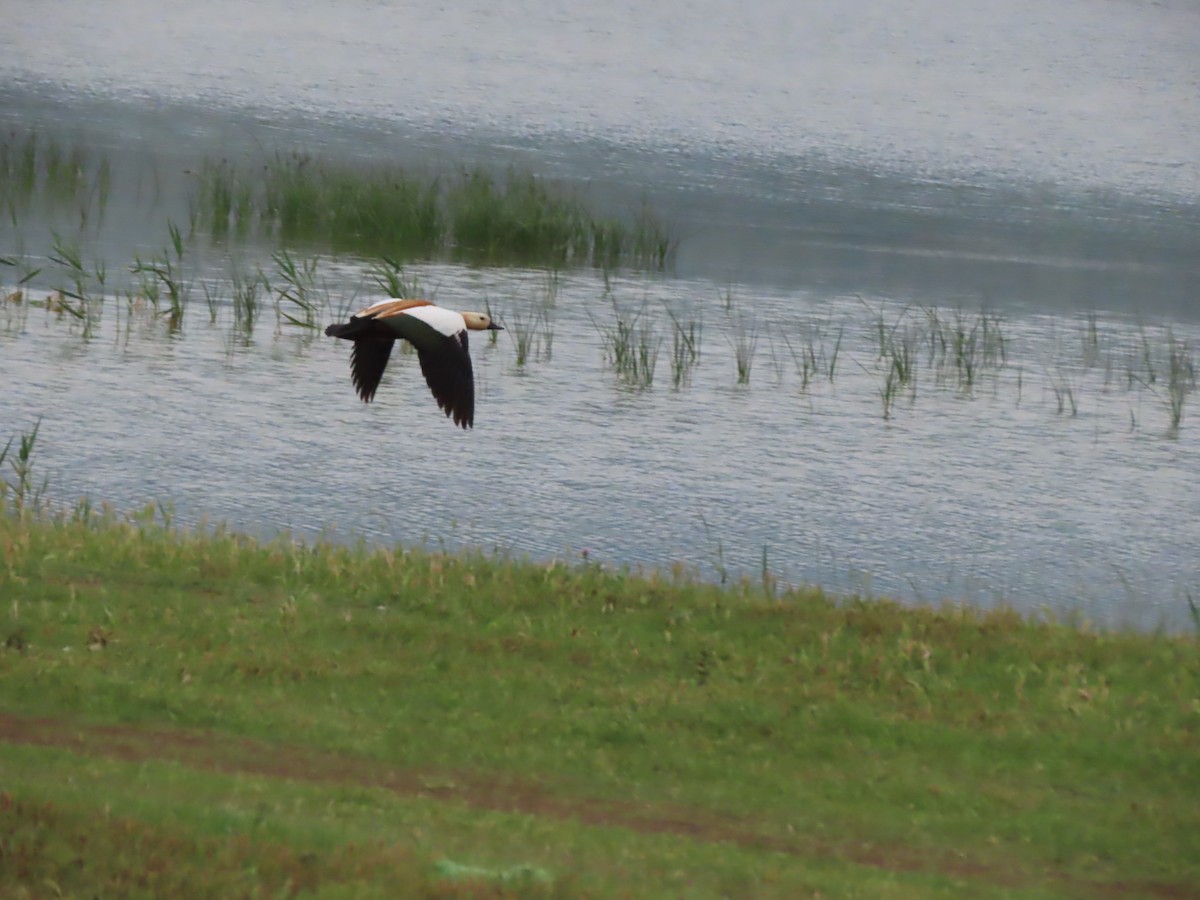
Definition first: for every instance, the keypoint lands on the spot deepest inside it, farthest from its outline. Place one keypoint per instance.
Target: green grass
(203, 713)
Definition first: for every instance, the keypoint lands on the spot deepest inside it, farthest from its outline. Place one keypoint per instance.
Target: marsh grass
(631, 344)
(1181, 378)
(474, 215)
(685, 348)
(532, 334)
(76, 298)
(1145, 355)
(744, 342)
(227, 200)
(814, 358)
(899, 362)
(298, 299)
(370, 210)
(521, 218)
(387, 273)
(165, 271)
(1064, 393)
(246, 293)
(965, 346)
(38, 170)
(212, 711)
(1090, 339)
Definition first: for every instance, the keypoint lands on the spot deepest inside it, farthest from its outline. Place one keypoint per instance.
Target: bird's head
(480, 322)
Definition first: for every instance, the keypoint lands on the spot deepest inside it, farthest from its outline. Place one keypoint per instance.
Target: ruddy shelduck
(440, 338)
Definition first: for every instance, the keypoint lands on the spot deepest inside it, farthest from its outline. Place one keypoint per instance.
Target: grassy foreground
(187, 715)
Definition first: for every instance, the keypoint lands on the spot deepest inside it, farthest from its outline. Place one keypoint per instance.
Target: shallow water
(822, 165)
(990, 496)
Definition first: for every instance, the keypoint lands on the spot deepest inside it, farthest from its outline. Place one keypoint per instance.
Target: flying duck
(440, 336)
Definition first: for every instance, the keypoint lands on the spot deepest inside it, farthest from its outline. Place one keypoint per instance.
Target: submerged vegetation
(196, 712)
(631, 342)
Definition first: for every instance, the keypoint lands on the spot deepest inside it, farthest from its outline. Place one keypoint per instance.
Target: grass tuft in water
(631, 344)
(744, 342)
(532, 335)
(685, 348)
(1181, 378)
(246, 291)
(811, 357)
(388, 275)
(165, 271)
(297, 298)
(1064, 393)
(76, 298)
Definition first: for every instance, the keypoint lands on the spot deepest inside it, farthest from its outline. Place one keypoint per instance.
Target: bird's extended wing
(368, 359)
(447, 370)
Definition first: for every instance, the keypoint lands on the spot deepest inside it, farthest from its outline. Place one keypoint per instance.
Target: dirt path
(214, 752)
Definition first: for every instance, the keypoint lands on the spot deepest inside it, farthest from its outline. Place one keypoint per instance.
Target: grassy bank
(192, 714)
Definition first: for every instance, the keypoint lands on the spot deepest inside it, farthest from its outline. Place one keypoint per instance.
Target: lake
(850, 189)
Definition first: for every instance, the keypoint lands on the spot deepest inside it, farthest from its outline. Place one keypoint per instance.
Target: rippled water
(993, 496)
(822, 163)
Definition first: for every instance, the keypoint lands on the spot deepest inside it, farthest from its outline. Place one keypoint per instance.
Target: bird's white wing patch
(442, 320)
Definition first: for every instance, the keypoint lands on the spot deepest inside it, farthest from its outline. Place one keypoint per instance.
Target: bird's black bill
(492, 326)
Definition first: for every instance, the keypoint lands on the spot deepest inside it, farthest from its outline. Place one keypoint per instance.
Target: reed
(631, 345)
(1090, 339)
(545, 343)
(744, 342)
(26, 272)
(77, 298)
(1064, 393)
(378, 209)
(165, 270)
(520, 218)
(387, 273)
(474, 215)
(226, 199)
(40, 171)
(652, 243)
(246, 302)
(297, 298)
(685, 348)
(904, 359)
(1181, 378)
(18, 172)
(523, 329)
(1146, 356)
